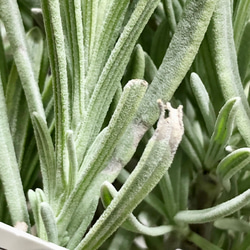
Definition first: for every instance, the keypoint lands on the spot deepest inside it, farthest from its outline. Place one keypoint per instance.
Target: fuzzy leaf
(177, 61)
(36, 198)
(35, 48)
(111, 75)
(16, 35)
(211, 214)
(104, 41)
(240, 18)
(155, 161)
(3, 63)
(244, 52)
(193, 138)
(108, 192)
(102, 148)
(232, 164)
(9, 171)
(72, 15)
(223, 52)
(232, 224)
(150, 69)
(136, 65)
(15, 99)
(222, 132)
(203, 101)
(168, 6)
(187, 147)
(17, 111)
(160, 43)
(73, 168)
(169, 198)
(58, 62)
(46, 155)
(49, 222)
(85, 212)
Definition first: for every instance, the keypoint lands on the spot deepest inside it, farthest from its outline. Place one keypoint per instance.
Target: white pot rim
(13, 239)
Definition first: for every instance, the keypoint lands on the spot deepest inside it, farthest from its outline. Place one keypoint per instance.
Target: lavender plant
(85, 93)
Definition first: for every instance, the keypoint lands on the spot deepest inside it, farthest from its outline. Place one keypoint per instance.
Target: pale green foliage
(83, 84)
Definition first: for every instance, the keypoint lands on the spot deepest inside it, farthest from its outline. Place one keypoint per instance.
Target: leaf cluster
(85, 116)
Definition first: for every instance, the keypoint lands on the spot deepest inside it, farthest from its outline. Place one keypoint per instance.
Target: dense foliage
(88, 133)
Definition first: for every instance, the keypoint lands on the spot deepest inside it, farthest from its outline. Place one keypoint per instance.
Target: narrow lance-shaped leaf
(177, 61)
(111, 75)
(102, 148)
(169, 198)
(11, 18)
(154, 162)
(90, 16)
(73, 168)
(233, 224)
(151, 199)
(57, 56)
(104, 41)
(160, 42)
(178, 58)
(222, 132)
(86, 210)
(49, 222)
(3, 65)
(16, 109)
(203, 101)
(191, 152)
(244, 53)
(35, 48)
(9, 171)
(232, 164)
(136, 66)
(168, 6)
(214, 213)
(178, 9)
(36, 198)
(108, 192)
(76, 54)
(46, 156)
(241, 16)
(15, 99)
(150, 68)
(223, 52)
(193, 138)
